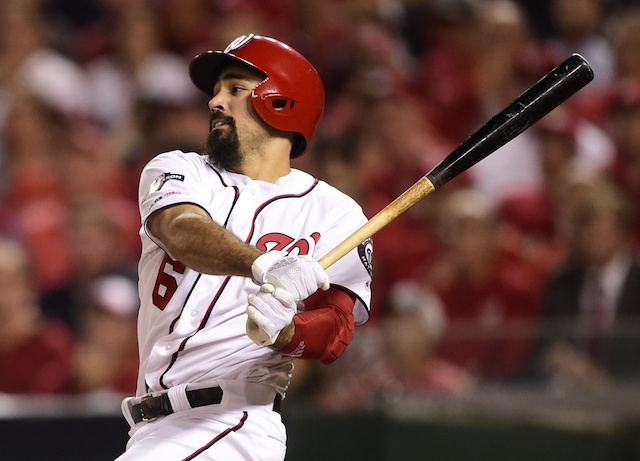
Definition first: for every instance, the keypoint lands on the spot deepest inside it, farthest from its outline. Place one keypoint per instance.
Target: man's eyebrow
(228, 77)
(232, 76)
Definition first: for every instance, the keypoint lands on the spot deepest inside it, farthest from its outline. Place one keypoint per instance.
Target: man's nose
(217, 103)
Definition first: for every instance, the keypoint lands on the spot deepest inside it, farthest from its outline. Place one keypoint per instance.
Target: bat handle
(410, 197)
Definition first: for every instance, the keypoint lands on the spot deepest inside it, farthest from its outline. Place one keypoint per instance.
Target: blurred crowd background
(522, 270)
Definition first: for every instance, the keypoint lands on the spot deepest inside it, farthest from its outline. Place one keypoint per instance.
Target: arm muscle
(193, 238)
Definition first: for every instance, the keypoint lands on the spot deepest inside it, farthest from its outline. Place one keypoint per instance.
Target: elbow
(172, 230)
(337, 349)
(323, 334)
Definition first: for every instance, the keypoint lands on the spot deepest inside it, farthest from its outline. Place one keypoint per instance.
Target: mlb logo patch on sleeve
(163, 178)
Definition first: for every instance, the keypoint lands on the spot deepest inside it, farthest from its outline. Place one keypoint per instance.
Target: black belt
(153, 406)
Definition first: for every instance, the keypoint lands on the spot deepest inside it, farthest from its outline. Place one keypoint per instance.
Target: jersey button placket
(245, 207)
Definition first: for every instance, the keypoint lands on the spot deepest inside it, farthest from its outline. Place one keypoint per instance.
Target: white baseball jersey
(191, 326)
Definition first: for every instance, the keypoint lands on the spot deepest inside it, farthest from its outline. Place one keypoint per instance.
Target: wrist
(262, 263)
(284, 337)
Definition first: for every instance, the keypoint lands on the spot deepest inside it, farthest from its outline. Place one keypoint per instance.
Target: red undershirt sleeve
(325, 328)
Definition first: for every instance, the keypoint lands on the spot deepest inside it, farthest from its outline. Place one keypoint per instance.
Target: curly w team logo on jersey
(282, 242)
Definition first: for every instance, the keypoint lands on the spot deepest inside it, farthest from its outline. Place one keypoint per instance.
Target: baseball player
(230, 288)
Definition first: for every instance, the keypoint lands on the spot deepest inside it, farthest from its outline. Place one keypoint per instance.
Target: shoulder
(178, 157)
(183, 170)
(178, 165)
(326, 191)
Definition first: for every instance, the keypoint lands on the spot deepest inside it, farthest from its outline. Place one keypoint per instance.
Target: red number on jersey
(166, 284)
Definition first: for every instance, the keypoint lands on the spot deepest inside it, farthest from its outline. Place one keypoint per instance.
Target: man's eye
(236, 89)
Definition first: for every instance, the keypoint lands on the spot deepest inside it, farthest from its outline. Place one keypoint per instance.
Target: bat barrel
(536, 102)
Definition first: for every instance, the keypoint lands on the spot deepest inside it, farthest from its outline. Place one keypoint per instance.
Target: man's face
(235, 130)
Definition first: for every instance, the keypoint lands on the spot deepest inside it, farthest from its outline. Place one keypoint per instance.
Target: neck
(270, 164)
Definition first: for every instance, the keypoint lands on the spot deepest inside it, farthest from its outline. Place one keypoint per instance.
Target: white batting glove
(269, 311)
(299, 275)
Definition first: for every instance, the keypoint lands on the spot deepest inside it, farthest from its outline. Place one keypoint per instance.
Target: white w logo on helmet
(238, 43)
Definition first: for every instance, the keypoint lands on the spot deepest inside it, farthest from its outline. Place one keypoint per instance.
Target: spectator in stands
(137, 67)
(95, 244)
(393, 358)
(187, 25)
(446, 70)
(534, 215)
(327, 40)
(272, 19)
(624, 34)
(52, 163)
(31, 192)
(412, 329)
(28, 60)
(624, 123)
(77, 27)
(106, 357)
(510, 58)
(591, 301)
(525, 178)
(143, 96)
(158, 125)
(397, 125)
(35, 353)
(579, 27)
(490, 298)
(89, 169)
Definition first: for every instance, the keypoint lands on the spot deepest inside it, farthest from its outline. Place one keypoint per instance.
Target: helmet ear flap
(281, 112)
(279, 104)
(276, 108)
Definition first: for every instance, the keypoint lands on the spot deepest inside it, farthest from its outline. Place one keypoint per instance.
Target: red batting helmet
(290, 98)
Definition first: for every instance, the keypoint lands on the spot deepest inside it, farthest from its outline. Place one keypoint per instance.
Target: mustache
(217, 115)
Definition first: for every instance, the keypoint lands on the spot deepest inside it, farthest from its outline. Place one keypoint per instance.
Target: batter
(230, 288)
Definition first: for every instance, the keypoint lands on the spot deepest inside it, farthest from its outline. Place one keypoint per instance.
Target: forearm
(203, 245)
(321, 333)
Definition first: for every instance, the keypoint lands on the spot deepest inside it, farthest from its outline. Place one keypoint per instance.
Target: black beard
(223, 147)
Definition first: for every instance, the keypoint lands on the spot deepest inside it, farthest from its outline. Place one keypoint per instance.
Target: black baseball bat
(542, 97)
(545, 95)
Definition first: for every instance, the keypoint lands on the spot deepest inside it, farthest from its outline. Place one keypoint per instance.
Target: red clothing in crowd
(41, 364)
(530, 231)
(491, 327)
(449, 83)
(625, 173)
(439, 376)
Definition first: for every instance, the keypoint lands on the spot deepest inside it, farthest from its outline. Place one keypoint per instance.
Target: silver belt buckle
(146, 407)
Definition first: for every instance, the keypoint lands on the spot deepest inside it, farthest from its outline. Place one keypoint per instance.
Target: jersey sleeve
(352, 273)
(170, 179)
